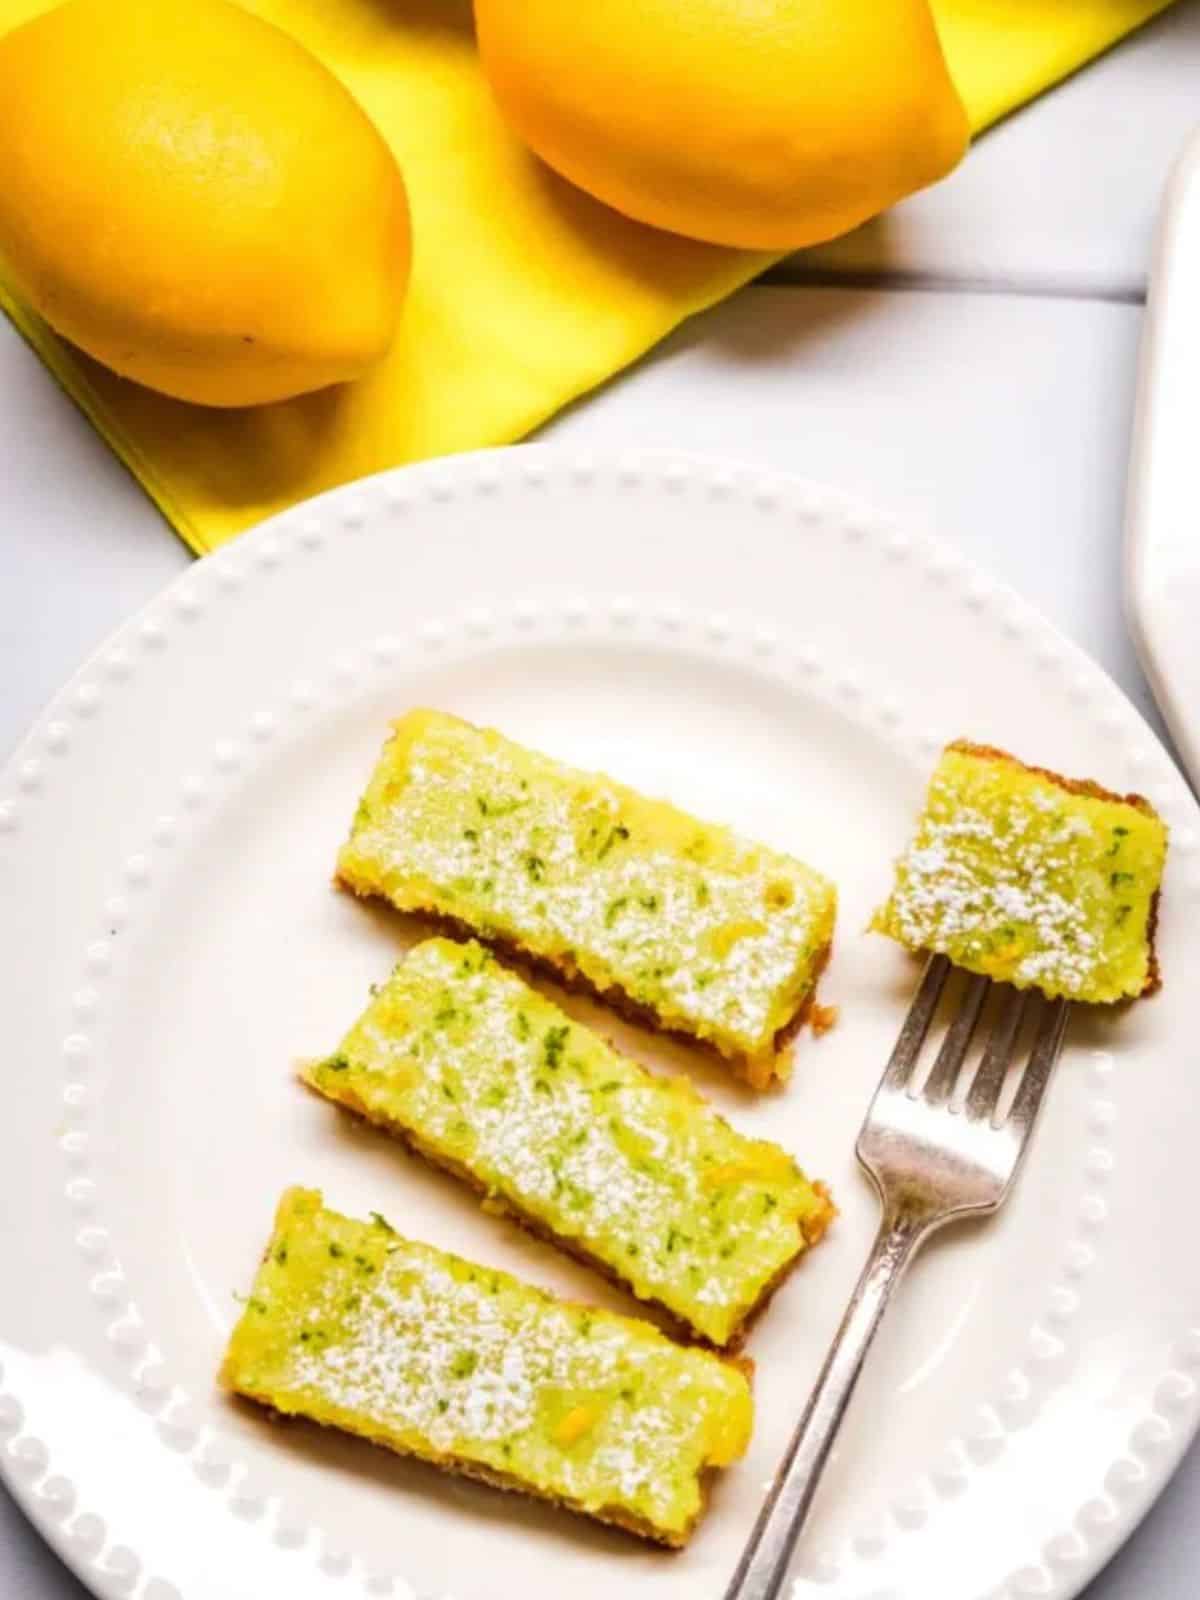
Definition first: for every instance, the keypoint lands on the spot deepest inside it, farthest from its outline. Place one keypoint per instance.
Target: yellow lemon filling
(488, 1078)
(708, 933)
(1031, 879)
(354, 1327)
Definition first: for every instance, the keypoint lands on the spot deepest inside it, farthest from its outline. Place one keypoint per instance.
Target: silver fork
(931, 1163)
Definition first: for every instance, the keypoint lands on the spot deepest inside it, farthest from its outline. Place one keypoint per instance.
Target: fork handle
(762, 1571)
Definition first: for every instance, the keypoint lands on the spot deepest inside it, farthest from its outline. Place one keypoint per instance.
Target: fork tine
(1046, 1047)
(916, 1024)
(984, 1092)
(944, 1072)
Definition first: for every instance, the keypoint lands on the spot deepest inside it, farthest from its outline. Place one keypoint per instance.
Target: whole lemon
(768, 124)
(191, 197)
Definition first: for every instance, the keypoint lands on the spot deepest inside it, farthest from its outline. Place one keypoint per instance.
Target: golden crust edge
(1089, 787)
(460, 1466)
(759, 1072)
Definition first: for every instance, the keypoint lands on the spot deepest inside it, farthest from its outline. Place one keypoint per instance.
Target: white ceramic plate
(1162, 551)
(756, 648)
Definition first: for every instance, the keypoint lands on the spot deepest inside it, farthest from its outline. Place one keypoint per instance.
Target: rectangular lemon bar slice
(1031, 878)
(354, 1327)
(676, 921)
(634, 1173)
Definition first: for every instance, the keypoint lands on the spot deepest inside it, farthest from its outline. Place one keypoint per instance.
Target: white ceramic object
(757, 648)
(1162, 548)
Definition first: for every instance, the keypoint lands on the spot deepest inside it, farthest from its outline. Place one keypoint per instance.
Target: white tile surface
(80, 544)
(1001, 421)
(1061, 196)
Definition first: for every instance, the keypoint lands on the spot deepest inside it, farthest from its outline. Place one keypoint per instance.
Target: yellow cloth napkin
(525, 292)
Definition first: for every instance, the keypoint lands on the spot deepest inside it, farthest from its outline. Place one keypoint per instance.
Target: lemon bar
(354, 1327)
(676, 921)
(634, 1173)
(1031, 878)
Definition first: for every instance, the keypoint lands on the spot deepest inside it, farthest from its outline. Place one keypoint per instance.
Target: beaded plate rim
(113, 1569)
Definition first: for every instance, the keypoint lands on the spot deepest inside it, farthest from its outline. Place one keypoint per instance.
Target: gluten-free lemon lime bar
(634, 1173)
(1031, 878)
(354, 1327)
(679, 922)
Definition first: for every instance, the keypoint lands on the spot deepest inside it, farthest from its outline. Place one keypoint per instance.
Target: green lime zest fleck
(616, 834)
(554, 1042)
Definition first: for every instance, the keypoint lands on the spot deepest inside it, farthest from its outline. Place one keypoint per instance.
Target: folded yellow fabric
(525, 292)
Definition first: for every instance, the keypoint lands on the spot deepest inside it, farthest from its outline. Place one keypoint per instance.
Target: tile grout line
(917, 282)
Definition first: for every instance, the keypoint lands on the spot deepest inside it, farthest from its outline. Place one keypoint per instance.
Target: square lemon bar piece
(633, 1173)
(354, 1327)
(674, 921)
(1031, 878)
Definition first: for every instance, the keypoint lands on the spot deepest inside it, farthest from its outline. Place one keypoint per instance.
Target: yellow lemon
(769, 124)
(191, 197)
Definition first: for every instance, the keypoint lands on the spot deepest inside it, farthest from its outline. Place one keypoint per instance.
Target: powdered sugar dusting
(638, 1171)
(715, 934)
(414, 1340)
(351, 1324)
(1012, 875)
